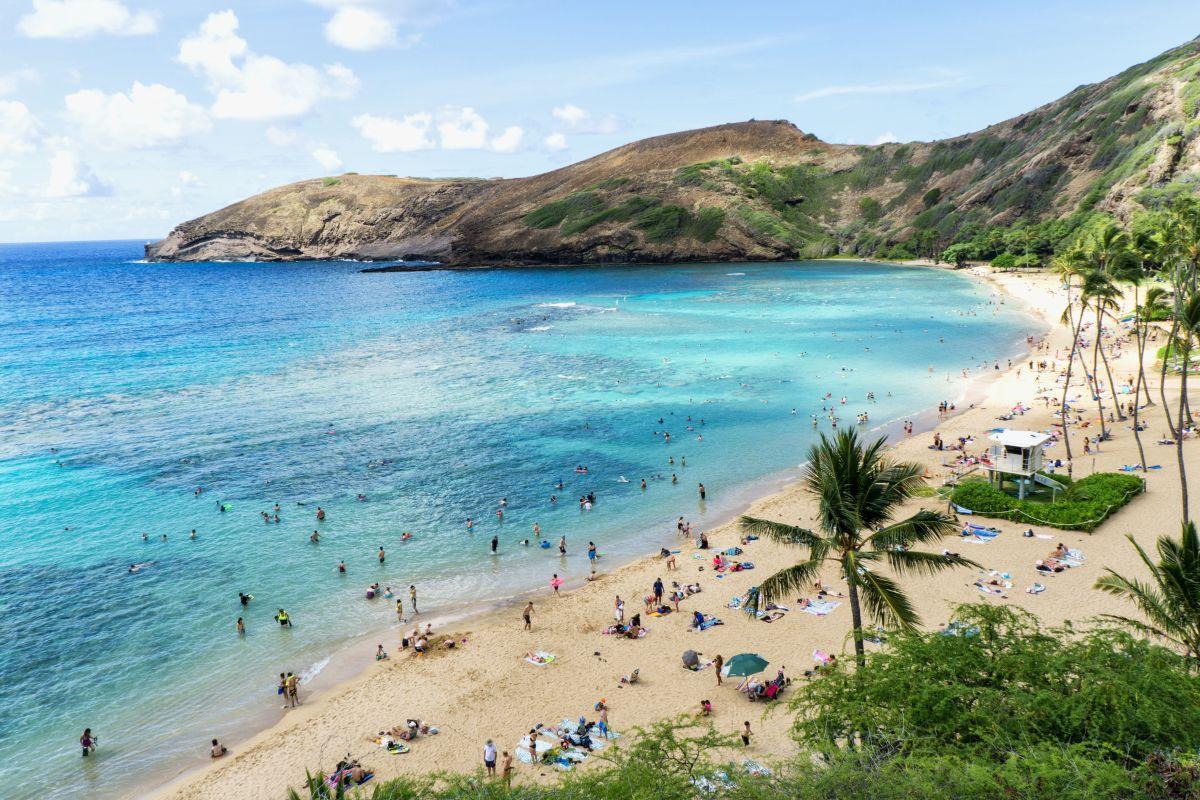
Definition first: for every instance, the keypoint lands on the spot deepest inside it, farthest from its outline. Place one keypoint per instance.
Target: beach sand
(485, 689)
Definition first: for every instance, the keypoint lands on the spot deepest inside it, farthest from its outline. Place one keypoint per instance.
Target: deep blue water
(128, 385)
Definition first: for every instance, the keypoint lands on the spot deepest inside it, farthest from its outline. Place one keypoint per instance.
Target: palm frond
(924, 527)
(885, 601)
(906, 561)
(786, 583)
(781, 532)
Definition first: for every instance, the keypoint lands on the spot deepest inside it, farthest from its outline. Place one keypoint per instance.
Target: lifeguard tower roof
(1022, 439)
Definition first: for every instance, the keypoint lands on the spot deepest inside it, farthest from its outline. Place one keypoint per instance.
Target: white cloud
(11, 81)
(555, 142)
(19, 129)
(374, 24)
(509, 141)
(327, 158)
(580, 120)
(249, 86)
(77, 19)
(149, 116)
(390, 135)
(282, 137)
(952, 79)
(884, 138)
(357, 28)
(187, 180)
(462, 129)
(457, 128)
(70, 177)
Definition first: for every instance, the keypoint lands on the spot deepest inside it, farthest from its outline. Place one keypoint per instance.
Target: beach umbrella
(745, 664)
(691, 659)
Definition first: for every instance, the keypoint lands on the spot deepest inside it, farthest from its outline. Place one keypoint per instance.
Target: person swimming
(141, 566)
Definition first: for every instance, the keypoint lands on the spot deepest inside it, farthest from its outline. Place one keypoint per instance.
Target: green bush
(573, 205)
(870, 209)
(1081, 506)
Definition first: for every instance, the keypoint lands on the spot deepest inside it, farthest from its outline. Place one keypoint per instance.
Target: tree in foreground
(1170, 600)
(858, 492)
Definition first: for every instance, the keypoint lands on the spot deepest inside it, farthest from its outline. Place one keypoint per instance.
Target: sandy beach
(484, 688)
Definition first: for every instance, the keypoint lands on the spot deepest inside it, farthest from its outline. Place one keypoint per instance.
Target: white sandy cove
(485, 689)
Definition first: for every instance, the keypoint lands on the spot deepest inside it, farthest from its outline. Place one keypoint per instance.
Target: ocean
(434, 395)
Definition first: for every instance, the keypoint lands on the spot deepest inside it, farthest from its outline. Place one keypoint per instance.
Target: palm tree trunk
(1062, 409)
(860, 653)
(1141, 327)
(1183, 487)
(1162, 379)
(1137, 433)
(1112, 387)
(1096, 375)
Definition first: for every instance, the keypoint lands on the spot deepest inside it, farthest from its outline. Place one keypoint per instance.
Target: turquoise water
(127, 385)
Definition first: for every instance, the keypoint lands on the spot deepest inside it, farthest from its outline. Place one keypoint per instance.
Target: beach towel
(1037, 588)
(398, 748)
(1074, 558)
(819, 608)
(985, 589)
(754, 768)
(735, 602)
(541, 746)
(710, 622)
(1135, 467)
(541, 658)
(821, 657)
(961, 510)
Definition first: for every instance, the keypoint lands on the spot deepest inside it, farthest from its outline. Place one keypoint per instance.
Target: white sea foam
(314, 670)
(556, 305)
(541, 327)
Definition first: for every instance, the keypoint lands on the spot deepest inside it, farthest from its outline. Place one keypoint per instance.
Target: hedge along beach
(307, 385)
(485, 689)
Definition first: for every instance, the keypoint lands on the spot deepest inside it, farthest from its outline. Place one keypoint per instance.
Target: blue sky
(122, 118)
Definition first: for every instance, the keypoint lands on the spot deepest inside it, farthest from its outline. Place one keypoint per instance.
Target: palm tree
(1152, 307)
(1110, 255)
(858, 491)
(1170, 601)
(1068, 266)
(1187, 320)
(1101, 294)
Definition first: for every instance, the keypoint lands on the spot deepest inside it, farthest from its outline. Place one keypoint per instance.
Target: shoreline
(350, 668)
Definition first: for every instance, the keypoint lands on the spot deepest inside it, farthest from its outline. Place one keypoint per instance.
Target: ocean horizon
(399, 402)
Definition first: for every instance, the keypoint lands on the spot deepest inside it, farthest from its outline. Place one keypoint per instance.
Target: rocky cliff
(757, 190)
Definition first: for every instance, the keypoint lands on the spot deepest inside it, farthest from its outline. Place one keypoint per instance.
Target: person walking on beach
(293, 690)
(555, 582)
(719, 662)
(658, 592)
(412, 595)
(619, 610)
(400, 609)
(489, 758)
(527, 615)
(506, 768)
(87, 742)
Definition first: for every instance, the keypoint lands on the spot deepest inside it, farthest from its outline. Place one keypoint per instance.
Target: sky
(123, 118)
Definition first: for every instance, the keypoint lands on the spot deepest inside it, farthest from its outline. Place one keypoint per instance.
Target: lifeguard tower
(1017, 456)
